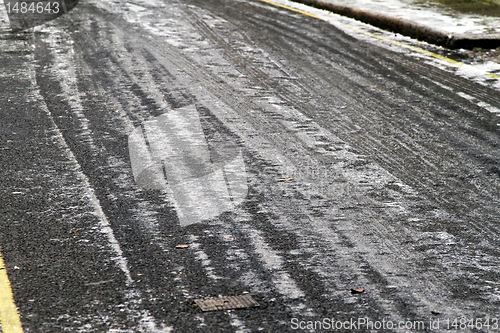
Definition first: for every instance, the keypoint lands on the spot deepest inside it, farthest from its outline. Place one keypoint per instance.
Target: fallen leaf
(357, 291)
(75, 232)
(182, 246)
(285, 179)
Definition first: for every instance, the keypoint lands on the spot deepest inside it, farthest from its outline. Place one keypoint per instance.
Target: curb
(409, 28)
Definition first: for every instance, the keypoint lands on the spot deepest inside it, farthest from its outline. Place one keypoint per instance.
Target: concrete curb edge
(409, 28)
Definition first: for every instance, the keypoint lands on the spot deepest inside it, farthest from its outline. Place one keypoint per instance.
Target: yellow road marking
(9, 317)
(413, 48)
(292, 9)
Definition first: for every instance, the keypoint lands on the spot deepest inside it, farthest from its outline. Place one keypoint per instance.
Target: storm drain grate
(226, 303)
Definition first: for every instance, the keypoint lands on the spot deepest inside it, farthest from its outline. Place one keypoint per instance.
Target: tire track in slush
(377, 145)
(260, 131)
(86, 131)
(147, 89)
(64, 71)
(138, 64)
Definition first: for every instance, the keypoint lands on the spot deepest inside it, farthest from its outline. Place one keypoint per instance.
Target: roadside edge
(409, 28)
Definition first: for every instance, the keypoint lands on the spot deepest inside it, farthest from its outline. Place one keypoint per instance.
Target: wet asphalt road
(365, 168)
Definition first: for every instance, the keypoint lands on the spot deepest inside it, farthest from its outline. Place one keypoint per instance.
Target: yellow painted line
(413, 48)
(417, 49)
(292, 9)
(9, 317)
(495, 76)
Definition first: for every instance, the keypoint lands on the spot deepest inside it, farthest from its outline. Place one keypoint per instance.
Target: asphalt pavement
(156, 154)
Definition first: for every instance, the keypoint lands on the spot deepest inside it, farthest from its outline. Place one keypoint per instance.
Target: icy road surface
(327, 162)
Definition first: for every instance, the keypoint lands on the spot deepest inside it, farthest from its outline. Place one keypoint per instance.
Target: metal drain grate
(226, 303)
